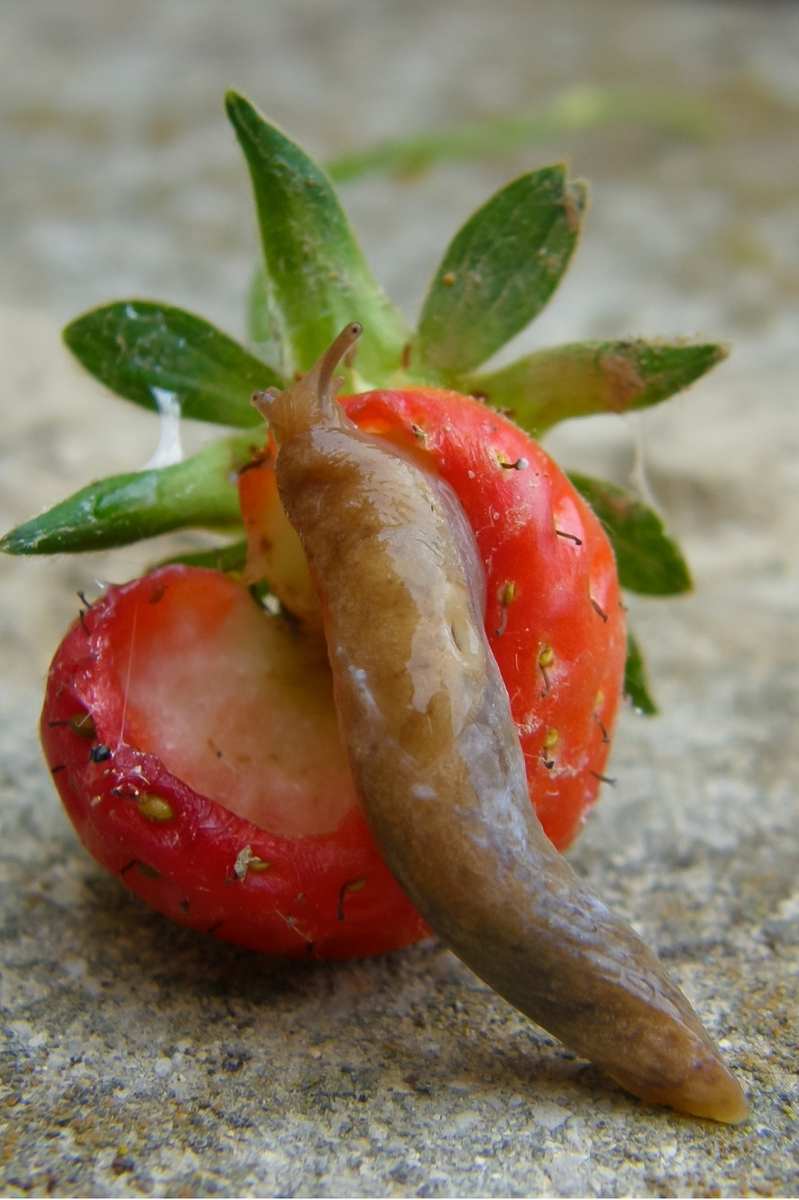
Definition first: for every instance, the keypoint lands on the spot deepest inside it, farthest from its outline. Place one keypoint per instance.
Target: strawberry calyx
(494, 278)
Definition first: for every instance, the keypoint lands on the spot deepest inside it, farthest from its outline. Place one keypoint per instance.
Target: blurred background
(121, 177)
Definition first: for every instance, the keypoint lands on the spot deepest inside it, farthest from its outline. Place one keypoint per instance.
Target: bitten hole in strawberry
(233, 701)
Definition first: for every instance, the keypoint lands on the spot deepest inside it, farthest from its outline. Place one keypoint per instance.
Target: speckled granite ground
(139, 1059)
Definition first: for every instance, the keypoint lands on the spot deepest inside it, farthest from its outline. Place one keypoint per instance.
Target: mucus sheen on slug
(437, 763)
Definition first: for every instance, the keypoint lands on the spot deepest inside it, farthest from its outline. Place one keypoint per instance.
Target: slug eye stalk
(313, 397)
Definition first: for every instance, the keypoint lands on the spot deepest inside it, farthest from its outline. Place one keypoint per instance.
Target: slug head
(312, 399)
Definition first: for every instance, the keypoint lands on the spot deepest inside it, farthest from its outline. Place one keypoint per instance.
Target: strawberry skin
(182, 851)
(554, 615)
(192, 738)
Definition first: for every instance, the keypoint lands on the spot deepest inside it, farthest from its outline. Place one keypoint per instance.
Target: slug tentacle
(436, 758)
(313, 398)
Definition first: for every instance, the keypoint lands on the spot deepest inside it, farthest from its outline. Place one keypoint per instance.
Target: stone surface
(140, 1059)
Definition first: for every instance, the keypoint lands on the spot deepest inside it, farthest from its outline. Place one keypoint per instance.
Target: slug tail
(312, 399)
(708, 1090)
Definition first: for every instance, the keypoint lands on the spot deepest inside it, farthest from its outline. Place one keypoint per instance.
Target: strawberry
(188, 719)
(193, 794)
(553, 612)
(173, 711)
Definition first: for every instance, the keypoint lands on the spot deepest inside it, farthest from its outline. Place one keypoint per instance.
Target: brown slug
(435, 755)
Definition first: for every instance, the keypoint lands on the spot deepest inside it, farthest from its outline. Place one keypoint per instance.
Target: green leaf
(636, 684)
(155, 355)
(264, 325)
(317, 274)
(201, 491)
(499, 271)
(648, 560)
(230, 557)
(583, 378)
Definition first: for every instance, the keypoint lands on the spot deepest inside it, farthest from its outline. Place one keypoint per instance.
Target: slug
(437, 763)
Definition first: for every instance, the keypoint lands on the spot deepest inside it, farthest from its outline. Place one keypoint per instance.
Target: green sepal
(636, 684)
(122, 509)
(155, 355)
(317, 276)
(648, 560)
(229, 558)
(583, 378)
(499, 271)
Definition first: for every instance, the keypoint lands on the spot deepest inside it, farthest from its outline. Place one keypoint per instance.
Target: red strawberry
(213, 781)
(553, 611)
(172, 720)
(191, 734)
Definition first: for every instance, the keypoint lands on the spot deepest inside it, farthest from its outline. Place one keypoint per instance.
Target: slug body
(437, 763)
